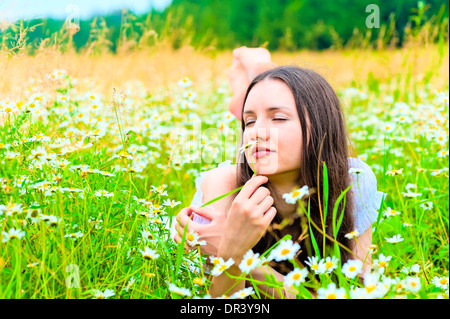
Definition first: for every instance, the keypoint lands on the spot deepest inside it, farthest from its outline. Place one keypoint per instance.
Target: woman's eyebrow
(270, 109)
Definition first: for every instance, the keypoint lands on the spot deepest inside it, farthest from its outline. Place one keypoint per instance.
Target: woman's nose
(260, 133)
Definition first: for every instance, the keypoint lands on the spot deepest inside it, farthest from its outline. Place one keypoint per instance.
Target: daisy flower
(331, 292)
(390, 212)
(98, 294)
(412, 269)
(371, 285)
(356, 171)
(398, 284)
(185, 82)
(243, 293)
(411, 194)
(442, 154)
(407, 225)
(146, 235)
(171, 203)
(286, 250)
(103, 193)
(76, 235)
(247, 145)
(395, 239)
(412, 284)
(192, 239)
(427, 205)
(249, 262)
(296, 277)
(11, 209)
(149, 254)
(12, 234)
(200, 281)
(316, 264)
(184, 292)
(160, 189)
(331, 264)
(221, 266)
(352, 268)
(298, 194)
(382, 261)
(38, 153)
(395, 172)
(441, 282)
(129, 284)
(352, 234)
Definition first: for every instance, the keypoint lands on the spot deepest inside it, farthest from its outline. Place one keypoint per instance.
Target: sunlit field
(99, 151)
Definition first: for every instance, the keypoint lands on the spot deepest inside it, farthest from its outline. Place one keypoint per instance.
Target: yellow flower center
(370, 288)
(296, 277)
(329, 264)
(352, 268)
(443, 281)
(249, 261)
(382, 264)
(331, 296)
(190, 237)
(285, 251)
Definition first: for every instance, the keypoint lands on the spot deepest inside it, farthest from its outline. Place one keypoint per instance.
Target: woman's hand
(210, 233)
(248, 218)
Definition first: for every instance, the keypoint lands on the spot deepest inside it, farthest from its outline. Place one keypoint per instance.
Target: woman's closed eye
(275, 119)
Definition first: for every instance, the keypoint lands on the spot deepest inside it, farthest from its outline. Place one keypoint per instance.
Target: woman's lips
(262, 153)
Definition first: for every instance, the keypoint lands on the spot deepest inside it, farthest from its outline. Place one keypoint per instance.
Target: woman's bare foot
(254, 60)
(239, 83)
(246, 65)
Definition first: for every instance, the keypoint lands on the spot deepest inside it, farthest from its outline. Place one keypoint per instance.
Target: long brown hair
(318, 104)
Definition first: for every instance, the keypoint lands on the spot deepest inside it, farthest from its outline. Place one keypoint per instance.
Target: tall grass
(91, 170)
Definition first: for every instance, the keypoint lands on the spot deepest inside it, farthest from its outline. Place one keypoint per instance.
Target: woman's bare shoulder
(219, 181)
(223, 177)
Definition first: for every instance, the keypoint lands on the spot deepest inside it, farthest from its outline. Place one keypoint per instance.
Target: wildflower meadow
(99, 151)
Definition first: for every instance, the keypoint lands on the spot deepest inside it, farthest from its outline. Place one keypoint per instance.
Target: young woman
(295, 117)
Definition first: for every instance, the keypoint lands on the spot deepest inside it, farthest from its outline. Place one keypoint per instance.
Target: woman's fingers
(208, 212)
(251, 186)
(263, 207)
(183, 216)
(259, 195)
(269, 216)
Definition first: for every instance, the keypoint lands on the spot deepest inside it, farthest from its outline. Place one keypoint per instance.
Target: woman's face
(270, 117)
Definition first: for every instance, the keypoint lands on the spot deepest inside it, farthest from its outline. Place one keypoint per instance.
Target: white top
(366, 198)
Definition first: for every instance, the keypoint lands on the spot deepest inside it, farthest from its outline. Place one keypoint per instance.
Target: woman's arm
(361, 249)
(248, 218)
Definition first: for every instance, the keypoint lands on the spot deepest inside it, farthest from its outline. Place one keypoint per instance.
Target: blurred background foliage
(213, 24)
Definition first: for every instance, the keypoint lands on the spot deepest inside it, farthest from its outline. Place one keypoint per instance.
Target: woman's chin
(265, 167)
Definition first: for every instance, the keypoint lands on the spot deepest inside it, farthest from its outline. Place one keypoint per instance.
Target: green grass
(51, 197)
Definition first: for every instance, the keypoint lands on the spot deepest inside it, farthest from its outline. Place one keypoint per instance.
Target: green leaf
(222, 196)
(180, 250)
(313, 239)
(336, 205)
